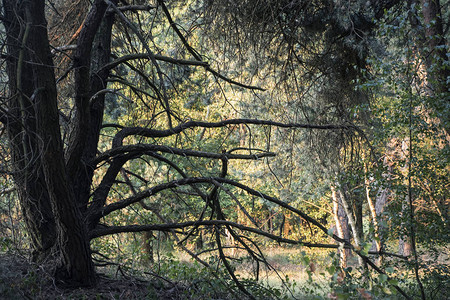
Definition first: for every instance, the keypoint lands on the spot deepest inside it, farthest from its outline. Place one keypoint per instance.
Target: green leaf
(382, 278)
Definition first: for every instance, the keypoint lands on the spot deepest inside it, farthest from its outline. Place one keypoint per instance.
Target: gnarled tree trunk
(32, 80)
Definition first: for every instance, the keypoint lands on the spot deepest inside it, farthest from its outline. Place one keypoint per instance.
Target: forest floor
(19, 279)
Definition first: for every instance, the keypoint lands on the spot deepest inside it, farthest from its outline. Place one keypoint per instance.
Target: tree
(68, 173)
(55, 180)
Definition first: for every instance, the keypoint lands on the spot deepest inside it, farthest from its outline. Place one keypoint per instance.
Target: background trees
(145, 117)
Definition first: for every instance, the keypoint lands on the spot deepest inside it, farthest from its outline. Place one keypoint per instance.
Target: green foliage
(203, 283)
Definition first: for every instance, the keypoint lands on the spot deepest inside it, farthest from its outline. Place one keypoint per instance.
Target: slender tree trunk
(376, 210)
(148, 245)
(341, 222)
(346, 203)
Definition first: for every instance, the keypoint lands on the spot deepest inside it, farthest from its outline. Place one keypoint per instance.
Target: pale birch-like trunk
(342, 228)
(404, 241)
(352, 222)
(376, 209)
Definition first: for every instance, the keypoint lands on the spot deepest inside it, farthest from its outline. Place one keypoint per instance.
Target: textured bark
(28, 172)
(436, 42)
(82, 69)
(101, 52)
(148, 245)
(434, 52)
(47, 198)
(76, 266)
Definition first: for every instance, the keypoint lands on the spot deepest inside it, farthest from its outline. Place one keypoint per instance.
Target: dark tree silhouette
(55, 151)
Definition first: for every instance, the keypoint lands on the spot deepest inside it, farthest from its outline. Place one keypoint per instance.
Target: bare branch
(133, 8)
(193, 180)
(147, 132)
(156, 189)
(151, 55)
(170, 226)
(99, 232)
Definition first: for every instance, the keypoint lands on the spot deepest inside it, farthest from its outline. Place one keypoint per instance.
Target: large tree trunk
(74, 265)
(24, 144)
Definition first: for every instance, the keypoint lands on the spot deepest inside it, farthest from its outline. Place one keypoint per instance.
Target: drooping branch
(147, 132)
(126, 21)
(197, 56)
(196, 180)
(99, 232)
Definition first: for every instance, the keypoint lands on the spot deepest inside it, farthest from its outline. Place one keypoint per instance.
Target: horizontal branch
(168, 59)
(146, 148)
(133, 8)
(170, 226)
(147, 132)
(196, 180)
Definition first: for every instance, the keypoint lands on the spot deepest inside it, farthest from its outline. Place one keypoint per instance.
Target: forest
(204, 149)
